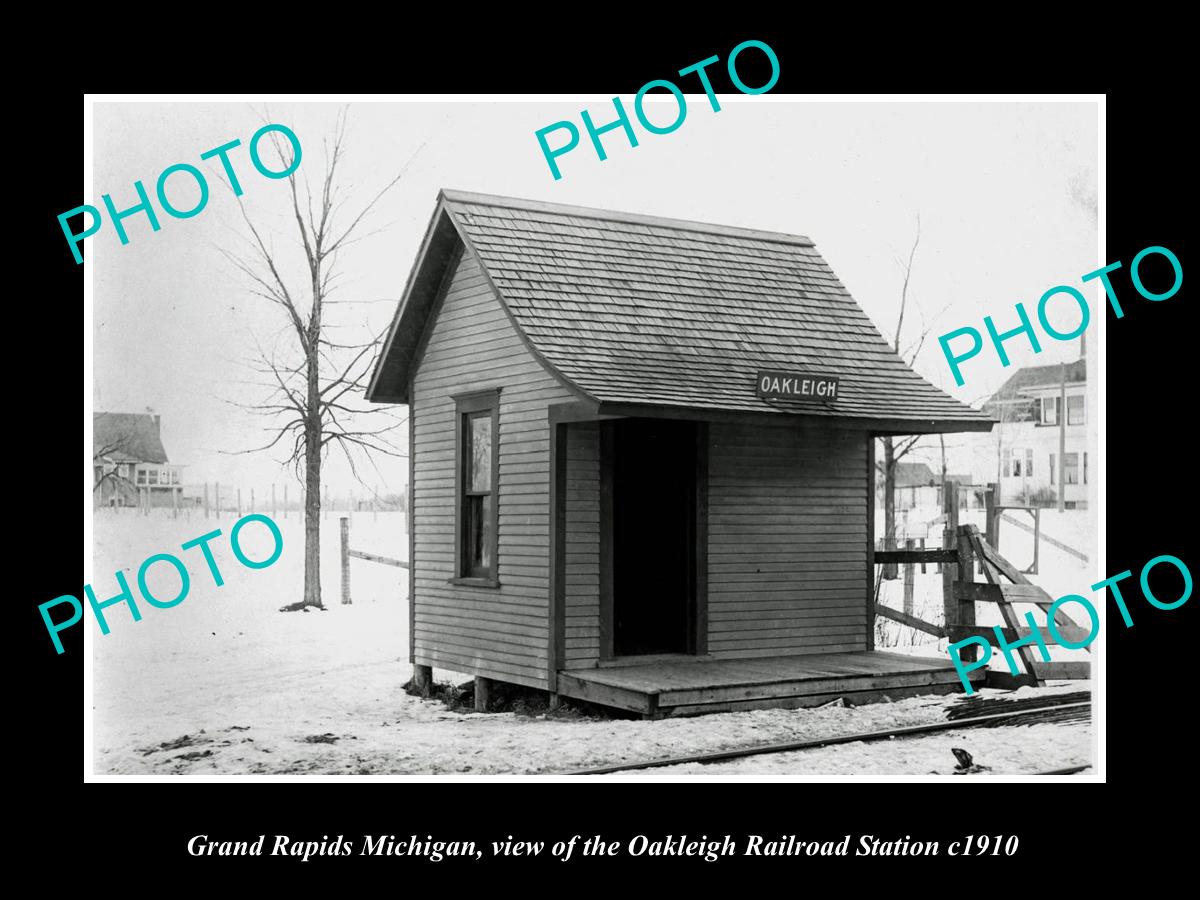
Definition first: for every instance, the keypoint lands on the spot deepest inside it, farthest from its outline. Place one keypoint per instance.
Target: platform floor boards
(690, 686)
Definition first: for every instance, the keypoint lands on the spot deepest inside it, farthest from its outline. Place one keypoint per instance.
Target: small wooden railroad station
(641, 461)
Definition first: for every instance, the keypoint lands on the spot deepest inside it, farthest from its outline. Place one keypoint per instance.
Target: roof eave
(874, 425)
(389, 381)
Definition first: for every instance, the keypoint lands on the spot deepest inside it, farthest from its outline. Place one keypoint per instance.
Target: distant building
(916, 485)
(1030, 412)
(128, 461)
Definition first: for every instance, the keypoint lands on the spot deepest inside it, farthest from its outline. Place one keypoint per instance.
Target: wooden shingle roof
(639, 311)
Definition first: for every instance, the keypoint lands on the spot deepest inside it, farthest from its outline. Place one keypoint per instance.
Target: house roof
(634, 311)
(129, 437)
(913, 474)
(1032, 378)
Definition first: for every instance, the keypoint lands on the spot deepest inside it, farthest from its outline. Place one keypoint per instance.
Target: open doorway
(652, 472)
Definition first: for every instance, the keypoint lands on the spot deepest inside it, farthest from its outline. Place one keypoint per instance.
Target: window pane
(485, 539)
(1070, 468)
(154, 476)
(478, 535)
(1050, 410)
(1075, 410)
(472, 549)
(479, 462)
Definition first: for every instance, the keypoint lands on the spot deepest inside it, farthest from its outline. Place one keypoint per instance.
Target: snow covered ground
(224, 684)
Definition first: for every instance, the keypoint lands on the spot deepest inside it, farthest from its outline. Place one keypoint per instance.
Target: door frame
(697, 617)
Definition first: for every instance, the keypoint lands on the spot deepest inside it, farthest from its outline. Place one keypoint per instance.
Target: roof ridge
(612, 215)
(1054, 365)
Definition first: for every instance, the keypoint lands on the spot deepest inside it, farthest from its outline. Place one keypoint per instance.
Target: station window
(478, 455)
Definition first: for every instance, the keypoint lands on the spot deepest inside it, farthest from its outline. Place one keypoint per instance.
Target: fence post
(206, 499)
(239, 503)
(922, 561)
(966, 608)
(908, 580)
(991, 520)
(952, 571)
(174, 503)
(217, 499)
(1037, 533)
(345, 561)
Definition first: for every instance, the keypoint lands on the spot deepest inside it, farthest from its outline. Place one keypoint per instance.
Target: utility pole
(1062, 437)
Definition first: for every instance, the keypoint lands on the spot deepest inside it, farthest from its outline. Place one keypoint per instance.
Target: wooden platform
(689, 687)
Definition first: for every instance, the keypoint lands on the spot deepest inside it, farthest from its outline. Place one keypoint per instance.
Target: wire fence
(215, 500)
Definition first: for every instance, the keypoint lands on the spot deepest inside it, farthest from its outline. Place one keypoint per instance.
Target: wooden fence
(963, 546)
(347, 553)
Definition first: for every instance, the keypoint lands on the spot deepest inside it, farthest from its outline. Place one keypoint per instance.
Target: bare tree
(890, 454)
(314, 387)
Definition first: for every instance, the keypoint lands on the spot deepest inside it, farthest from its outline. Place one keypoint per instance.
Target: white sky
(1006, 194)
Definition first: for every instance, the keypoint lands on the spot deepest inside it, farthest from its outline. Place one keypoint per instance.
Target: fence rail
(964, 547)
(347, 554)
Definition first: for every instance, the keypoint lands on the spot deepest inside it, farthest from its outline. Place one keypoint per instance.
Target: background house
(916, 485)
(1030, 414)
(129, 461)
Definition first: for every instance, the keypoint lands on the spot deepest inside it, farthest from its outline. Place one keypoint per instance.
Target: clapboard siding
(495, 632)
(582, 534)
(787, 540)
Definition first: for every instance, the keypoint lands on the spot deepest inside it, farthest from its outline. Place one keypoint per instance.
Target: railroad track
(1035, 710)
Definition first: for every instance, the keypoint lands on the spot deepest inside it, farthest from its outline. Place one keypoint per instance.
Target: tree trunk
(312, 518)
(889, 504)
(312, 493)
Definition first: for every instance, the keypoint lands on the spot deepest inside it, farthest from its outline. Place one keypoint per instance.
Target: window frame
(1069, 467)
(1050, 403)
(466, 407)
(1079, 407)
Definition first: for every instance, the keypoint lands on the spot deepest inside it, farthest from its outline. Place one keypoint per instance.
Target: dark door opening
(653, 536)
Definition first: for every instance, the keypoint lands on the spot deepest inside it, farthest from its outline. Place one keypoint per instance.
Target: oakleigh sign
(772, 385)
